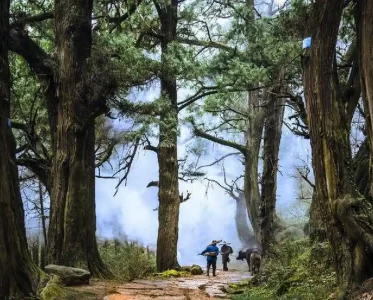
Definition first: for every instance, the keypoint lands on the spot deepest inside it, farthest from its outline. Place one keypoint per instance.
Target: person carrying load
(211, 252)
(225, 251)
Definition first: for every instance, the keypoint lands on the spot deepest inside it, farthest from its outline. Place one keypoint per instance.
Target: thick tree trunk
(168, 193)
(71, 235)
(272, 138)
(345, 213)
(365, 48)
(18, 274)
(253, 138)
(317, 229)
(244, 233)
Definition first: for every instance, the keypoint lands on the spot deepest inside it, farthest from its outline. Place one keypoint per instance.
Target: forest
(220, 93)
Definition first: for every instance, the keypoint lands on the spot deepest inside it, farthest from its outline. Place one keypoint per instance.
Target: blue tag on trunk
(307, 43)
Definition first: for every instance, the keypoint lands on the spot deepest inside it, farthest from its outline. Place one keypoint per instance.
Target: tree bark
(317, 229)
(361, 169)
(272, 138)
(244, 233)
(168, 193)
(364, 21)
(71, 235)
(345, 213)
(18, 274)
(253, 137)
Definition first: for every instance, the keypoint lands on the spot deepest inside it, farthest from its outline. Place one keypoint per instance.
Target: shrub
(127, 260)
(297, 270)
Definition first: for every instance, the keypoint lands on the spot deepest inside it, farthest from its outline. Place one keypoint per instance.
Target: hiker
(253, 257)
(225, 250)
(211, 252)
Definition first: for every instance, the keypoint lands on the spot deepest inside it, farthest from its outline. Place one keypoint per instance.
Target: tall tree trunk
(71, 235)
(42, 213)
(364, 21)
(244, 233)
(253, 138)
(272, 139)
(346, 214)
(18, 274)
(168, 193)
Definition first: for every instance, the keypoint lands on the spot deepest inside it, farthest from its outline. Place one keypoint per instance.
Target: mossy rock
(53, 290)
(173, 273)
(196, 270)
(186, 269)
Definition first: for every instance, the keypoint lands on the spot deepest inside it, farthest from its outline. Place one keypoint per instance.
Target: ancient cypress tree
(168, 193)
(72, 230)
(345, 213)
(18, 274)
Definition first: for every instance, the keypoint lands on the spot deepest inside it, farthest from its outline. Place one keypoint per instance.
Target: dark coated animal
(253, 258)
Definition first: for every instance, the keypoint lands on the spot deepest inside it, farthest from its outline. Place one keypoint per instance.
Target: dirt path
(185, 288)
(196, 287)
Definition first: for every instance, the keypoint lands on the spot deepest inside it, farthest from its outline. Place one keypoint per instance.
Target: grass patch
(298, 270)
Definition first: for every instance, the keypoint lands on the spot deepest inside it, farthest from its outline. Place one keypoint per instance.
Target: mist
(207, 215)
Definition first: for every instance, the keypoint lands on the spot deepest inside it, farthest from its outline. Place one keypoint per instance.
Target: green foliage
(53, 290)
(126, 260)
(298, 270)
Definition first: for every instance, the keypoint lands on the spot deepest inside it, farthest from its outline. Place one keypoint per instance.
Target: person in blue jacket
(211, 252)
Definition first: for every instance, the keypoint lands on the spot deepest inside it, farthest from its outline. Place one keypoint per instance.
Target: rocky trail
(182, 288)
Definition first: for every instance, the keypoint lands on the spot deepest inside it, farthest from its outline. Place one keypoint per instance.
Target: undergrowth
(127, 260)
(297, 270)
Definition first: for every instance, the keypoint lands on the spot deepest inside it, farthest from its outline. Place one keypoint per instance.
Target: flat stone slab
(69, 276)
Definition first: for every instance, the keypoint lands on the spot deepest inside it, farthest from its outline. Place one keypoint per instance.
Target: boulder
(186, 269)
(196, 270)
(69, 276)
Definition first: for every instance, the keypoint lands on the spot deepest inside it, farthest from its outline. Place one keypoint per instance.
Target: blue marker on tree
(307, 42)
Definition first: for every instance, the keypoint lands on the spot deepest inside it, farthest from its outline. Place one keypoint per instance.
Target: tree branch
(128, 107)
(108, 152)
(21, 21)
(132, 9)
(220, 141)
(39, 61)
(206, 44)
(40, 167)
(218, 160)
